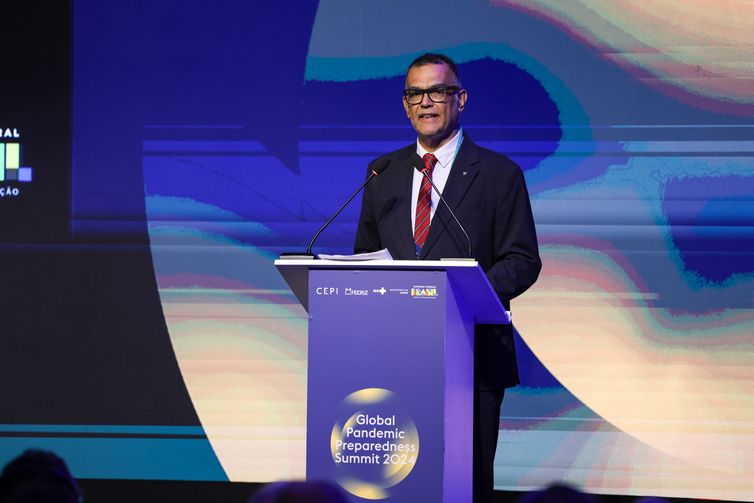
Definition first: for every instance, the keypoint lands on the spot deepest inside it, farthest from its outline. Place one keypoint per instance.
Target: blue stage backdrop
(209, 137)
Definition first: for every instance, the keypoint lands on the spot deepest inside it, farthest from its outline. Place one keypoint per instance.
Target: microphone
(377, 168)
(422, 168)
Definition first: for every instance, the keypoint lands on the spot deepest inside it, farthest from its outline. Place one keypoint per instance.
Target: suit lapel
(462, 175)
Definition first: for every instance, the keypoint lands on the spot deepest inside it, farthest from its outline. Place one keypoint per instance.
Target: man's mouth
(427, 116)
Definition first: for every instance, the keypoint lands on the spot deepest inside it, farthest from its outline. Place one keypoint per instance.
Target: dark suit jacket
(488, 194)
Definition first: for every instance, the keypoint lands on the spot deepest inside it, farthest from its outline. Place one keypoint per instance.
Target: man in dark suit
(488, 194)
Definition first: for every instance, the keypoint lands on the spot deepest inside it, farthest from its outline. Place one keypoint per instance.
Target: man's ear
(462, 96)
(405, 106)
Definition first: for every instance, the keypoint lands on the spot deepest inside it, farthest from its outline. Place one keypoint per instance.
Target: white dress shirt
(445, 156)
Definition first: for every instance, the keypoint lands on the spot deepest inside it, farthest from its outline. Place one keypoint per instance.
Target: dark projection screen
(171, 150)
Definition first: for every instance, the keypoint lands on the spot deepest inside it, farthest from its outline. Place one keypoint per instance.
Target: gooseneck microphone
(379, 166)
(422, 168)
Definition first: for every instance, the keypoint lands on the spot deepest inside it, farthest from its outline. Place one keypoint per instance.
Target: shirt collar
(446, 153)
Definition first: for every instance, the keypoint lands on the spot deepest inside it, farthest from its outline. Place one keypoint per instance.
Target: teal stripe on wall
(125, 458)
(101, 429)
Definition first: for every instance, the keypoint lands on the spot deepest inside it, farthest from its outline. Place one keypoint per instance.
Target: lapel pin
(464, 173)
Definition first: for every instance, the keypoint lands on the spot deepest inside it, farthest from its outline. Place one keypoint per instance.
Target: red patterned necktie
(423, 204)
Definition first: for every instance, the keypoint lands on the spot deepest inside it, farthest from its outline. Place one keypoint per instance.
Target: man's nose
(426, 102)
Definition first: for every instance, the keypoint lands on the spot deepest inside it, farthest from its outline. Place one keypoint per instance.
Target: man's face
(435, 123)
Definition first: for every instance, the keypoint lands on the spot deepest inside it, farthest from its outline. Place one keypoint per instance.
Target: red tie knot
(429, 162)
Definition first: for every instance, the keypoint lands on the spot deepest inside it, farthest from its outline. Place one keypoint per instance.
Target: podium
(391, 374)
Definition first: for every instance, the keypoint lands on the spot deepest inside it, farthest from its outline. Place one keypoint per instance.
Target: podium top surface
(466, 275)
(432, 265)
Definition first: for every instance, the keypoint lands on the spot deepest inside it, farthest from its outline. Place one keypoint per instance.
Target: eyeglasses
(437, 94)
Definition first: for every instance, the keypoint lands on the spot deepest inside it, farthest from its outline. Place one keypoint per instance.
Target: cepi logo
(326, 290)
(11, 168)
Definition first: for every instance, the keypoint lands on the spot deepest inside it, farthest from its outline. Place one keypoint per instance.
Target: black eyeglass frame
(413, 92)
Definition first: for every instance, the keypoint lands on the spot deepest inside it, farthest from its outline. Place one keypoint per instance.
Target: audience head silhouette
(310, 491)
(38, 476)
(558, 493)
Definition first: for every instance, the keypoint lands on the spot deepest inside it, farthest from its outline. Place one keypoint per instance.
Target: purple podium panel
(390, 385)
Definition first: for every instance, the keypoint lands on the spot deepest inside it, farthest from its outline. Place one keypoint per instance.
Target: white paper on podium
(383, 254)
